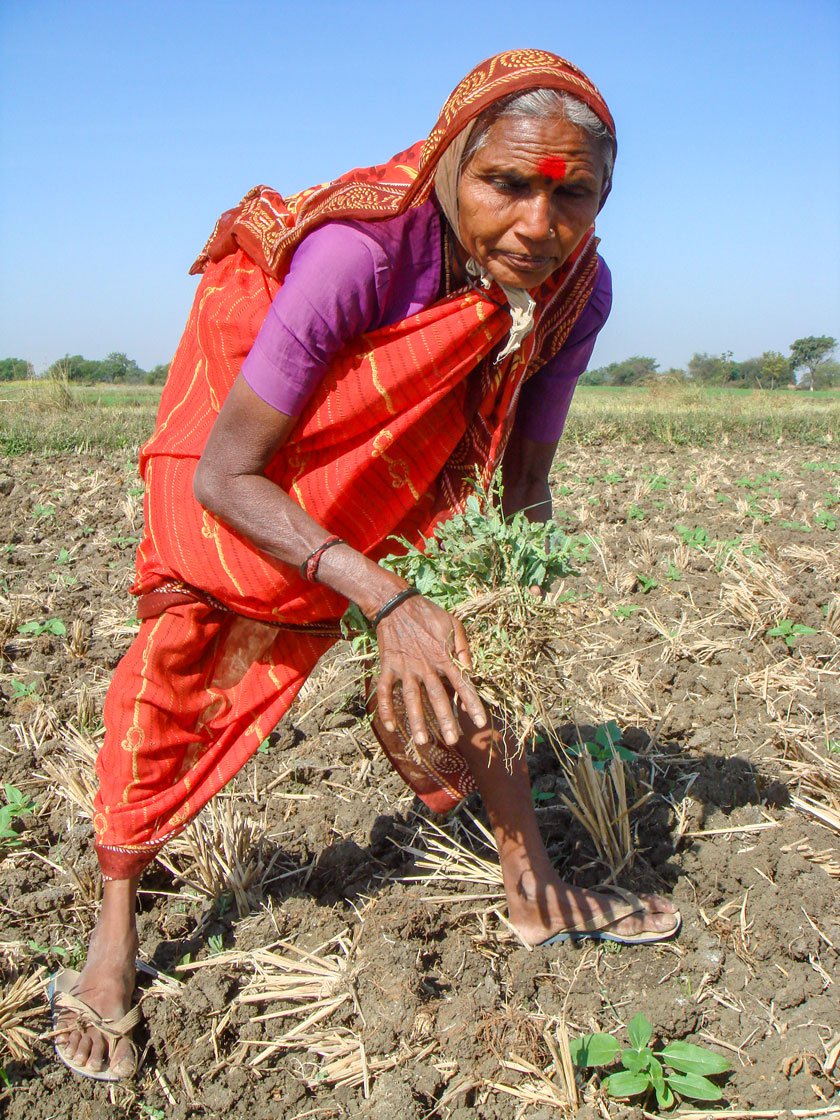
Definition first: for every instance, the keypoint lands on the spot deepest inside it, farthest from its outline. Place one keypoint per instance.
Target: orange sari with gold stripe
(388, 445)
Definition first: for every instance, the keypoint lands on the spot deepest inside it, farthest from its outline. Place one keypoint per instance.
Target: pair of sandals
(62, 983)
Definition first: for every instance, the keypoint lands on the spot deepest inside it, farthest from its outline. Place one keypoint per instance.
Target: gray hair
(544, 104)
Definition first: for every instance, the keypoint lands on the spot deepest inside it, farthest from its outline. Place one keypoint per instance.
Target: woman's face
(528, 196)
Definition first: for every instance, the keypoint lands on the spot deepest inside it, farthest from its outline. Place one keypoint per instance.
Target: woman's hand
(422, 648)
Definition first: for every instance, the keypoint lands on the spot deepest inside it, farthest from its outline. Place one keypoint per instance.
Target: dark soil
(695, 560)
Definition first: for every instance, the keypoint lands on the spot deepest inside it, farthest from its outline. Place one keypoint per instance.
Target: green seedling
(540, 798)
(41, 513)
(215, 944)
(263, 747)
(20, 690)
(659, 482)
(697, 537)
(605, 746)
(635, 513)
(679, 1069)
(795, 526)
(789, 631)
(17, 805)
(35, 629)
(646, 583)
(626, 610)
(826, 520)
(152, 1112)
(673, 573)
(64, 557)
(612, 477)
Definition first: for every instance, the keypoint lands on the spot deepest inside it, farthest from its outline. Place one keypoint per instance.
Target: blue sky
(126, 128)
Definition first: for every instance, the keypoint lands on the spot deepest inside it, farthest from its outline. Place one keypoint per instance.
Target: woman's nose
(535, 218)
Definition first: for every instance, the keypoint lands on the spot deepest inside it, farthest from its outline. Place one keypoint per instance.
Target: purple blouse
(347, 278)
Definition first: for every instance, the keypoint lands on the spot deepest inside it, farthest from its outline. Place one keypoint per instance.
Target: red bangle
(309, 568)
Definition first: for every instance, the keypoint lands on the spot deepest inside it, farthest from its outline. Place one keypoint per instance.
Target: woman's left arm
(525, 470)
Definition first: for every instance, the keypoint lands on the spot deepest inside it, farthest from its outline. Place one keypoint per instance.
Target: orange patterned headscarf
(269, 227)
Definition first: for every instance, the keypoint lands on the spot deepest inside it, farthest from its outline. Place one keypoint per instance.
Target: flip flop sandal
(597, 928)
(61, 999)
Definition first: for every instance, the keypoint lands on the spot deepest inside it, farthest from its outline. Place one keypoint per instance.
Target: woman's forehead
(549, 144)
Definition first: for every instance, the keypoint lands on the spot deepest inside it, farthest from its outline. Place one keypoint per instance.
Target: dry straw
(20, 1003)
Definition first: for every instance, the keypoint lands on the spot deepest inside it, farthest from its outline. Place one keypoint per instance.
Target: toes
(80, 1057)
(68, 1043)
(98, 1057)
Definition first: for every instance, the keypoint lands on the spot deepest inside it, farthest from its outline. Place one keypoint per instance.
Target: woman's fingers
(385, 700)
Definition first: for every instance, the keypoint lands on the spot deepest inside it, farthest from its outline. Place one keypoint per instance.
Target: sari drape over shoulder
(406, 417)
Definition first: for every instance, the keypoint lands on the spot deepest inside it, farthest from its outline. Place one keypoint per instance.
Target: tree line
(116, 369)
(809, 365)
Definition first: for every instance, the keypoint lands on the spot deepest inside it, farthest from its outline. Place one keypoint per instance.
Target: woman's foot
(542, 911)
(106, 985)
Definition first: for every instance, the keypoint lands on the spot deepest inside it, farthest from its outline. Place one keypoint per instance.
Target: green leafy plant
(646, 583)
(626, 610)
(826, 520)
(36, 628)
(17, 805)
(789, 631)
(679, 1069)
(698, 537)
(41, 513)
(635, 513)
(604, 745)
(794, 526)
(21, 690)
(215, 944)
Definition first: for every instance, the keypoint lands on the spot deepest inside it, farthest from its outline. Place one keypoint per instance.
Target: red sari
(403, 420)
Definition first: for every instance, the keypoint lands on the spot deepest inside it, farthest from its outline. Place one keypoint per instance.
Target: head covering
(269, 227)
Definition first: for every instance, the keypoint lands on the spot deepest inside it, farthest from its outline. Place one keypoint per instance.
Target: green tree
(828, 375)
(75, 367)
(15, 369)
(808, 354)
(157, 374)
(775, 370)
(119, 368)
(632, 371)
(708, 369)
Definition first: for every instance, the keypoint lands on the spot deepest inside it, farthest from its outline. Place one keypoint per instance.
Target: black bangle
(392, 605)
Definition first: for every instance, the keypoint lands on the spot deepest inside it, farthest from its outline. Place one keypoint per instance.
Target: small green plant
(673, 573)
(17, 805)
(635, 513)
(646, 583)
(698, 537)
(679, 1069)
(215, 944)
(42, 513)
(605, 744)
(36, 628)
(64, 556)
(626, 610)
(789, 631)
(21, 690)
(826, 520)
(152, 1112)
(794, 526)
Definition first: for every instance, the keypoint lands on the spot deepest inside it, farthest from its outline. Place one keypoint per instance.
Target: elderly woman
(354, 354)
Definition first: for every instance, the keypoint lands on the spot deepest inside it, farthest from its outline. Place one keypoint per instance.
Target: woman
(353, 355)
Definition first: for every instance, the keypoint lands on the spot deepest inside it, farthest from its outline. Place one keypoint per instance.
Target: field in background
(314, 945)
(52, 417)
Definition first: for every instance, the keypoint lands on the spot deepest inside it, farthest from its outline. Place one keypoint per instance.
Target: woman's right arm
(420, 645)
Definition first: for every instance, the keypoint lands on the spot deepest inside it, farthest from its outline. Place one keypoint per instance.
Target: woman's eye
(509, 186)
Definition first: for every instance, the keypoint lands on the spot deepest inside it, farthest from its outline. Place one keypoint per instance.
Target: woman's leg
(188, 705)
(540, 904)
(106, 983)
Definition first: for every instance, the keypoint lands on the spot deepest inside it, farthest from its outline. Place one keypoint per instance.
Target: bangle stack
(309, 568)
(392, 605)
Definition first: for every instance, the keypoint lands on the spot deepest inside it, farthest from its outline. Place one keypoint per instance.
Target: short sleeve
(330, 296)
(545, 398)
